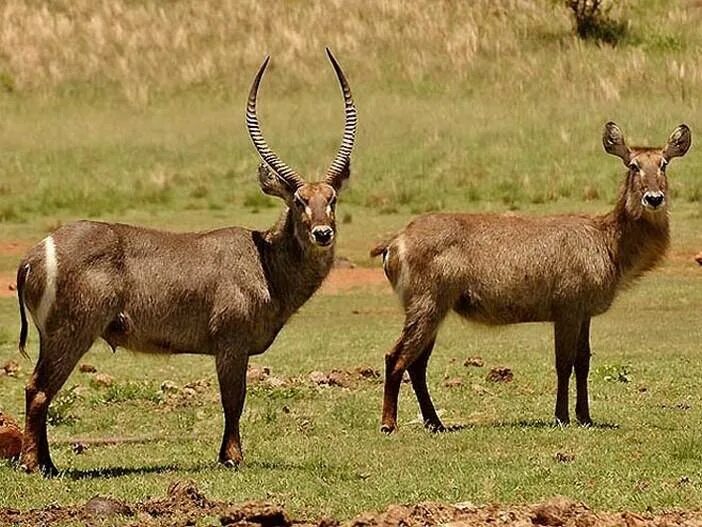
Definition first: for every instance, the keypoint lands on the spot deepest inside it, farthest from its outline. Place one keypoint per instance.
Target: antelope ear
(613, 142)
(271, 184)
(678, 143)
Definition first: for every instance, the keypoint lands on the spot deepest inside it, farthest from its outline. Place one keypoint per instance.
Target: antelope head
(647, 182)
(312, 205)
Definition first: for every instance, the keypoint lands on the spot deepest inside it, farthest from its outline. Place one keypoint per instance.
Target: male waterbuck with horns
(500, 269)
(226, 292)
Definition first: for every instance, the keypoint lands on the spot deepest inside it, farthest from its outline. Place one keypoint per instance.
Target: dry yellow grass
(145, 46)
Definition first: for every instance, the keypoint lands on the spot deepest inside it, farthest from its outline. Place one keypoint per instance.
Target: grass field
(131, 112)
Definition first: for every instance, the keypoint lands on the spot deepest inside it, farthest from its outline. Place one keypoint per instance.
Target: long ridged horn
(340, 163)
(283, 171)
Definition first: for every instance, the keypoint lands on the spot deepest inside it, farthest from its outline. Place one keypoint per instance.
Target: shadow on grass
(547, 423)
(118, 472)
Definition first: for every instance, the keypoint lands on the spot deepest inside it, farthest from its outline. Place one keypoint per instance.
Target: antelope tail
(379, 249)
(22, 274)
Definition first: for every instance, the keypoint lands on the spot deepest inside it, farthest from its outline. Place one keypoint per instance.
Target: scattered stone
(12, 286)
(500, 375)
(454, 382)
(684, 480)
(104, 507)
(103, 380)
(10, 437)
(366, 372)
(564, 457)
(11, 368)
(698, 258)
(78, 447)
(333, 378)
(87, 368)
(254, 374)
(169, 387)
(476, 362)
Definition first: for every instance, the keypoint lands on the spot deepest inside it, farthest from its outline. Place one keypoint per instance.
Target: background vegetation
(133, 111)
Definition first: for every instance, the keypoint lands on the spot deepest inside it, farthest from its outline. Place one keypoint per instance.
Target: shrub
(593, 21)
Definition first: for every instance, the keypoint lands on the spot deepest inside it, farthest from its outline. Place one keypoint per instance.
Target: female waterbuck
(500, 269)
(226, 292)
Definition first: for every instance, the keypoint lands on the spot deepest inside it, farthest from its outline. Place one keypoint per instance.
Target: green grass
(319, 450)
(509, 120)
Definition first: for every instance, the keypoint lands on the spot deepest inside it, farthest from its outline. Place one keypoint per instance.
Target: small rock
(11, 368)
(12, 287)
(684, 480)
(189, 391)
(317, 377)
(476, 362)
(366, 372)
(169, 387)
(10, 438)
(101, 507)
(103, 380)
(78, 448)
(455, 382)
(333, 378)
(500, 375)
(87, 368)
(276, 382)
(564, 457)
(255, 374)
(698, 258)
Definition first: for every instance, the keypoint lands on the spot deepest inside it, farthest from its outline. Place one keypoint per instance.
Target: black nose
(654, 199)
(323, 235)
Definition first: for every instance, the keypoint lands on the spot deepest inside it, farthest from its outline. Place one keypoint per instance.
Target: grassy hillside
(125, 105)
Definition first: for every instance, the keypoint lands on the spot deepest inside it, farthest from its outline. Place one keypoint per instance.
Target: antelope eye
(634, 167)
(664, 164)
(332, 201)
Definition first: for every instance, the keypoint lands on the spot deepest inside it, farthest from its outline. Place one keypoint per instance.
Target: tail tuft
(379, 249)
(22, 274)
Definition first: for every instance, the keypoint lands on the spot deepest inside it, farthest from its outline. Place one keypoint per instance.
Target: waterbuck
(499, 269)
(226, 292)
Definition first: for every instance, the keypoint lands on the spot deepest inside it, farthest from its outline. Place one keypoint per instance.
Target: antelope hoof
(388, 429)
(562, 422)
(230, 463)
(585, 422)
(49, 471)
(435, 427)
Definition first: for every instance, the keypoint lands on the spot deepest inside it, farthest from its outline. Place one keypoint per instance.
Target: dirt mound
(262, 376)
(184, 504)
(10, 437)
(557, 511)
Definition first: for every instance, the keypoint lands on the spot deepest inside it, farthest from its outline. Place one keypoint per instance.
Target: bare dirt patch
(14, 247)
(341, 280)
(184, 504)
